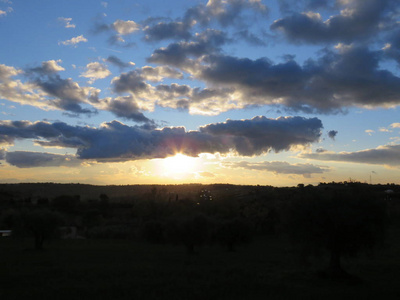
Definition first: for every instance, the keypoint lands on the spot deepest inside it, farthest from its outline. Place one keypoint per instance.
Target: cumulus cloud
(47, 68)
(349, 76)
(66, 22)
(73, 41)
(279, 167)
(64, 94)
(167, 30)
(332, 134)
(118, 62)
(124, 107)
(226, 13)
(395, 125)
(6, 12)
(27, 159)
(125, 27)
(357, 19)
(383, 155)
(115, 141)
(159, 73)
(95, 70)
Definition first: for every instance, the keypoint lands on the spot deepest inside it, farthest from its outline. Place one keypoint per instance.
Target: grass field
(120, 269)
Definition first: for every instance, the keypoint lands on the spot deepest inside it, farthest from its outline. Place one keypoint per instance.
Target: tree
(233, 232)
(191, 230)
(342, 222)
(43, 224)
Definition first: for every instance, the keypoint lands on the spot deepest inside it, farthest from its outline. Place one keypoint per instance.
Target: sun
(179, 165)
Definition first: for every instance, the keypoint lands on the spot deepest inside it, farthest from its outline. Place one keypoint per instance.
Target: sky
(220, 91)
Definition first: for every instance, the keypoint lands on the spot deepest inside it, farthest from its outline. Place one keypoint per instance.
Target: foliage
(230, 233)
(341, 222)
(43, 224)
(190, 230)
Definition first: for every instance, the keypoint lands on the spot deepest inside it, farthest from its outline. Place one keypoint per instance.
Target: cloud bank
(114, 141)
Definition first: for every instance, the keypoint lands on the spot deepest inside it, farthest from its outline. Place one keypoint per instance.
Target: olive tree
(341, 222)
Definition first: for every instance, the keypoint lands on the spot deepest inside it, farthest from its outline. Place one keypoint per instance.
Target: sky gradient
(235, 91)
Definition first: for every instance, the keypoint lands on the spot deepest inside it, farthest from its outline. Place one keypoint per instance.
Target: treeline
(341, 219)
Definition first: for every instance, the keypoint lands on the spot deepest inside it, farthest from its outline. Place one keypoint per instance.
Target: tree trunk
(39, 242)
(190, 248)
(335, 265)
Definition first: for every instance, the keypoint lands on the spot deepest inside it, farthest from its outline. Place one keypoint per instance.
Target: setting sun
(179, 165)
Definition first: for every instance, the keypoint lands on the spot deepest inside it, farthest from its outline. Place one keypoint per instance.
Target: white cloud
(125, 27)
(96, 70)
(74, 41)
(369, 131)
(66, 22)
(5, 12)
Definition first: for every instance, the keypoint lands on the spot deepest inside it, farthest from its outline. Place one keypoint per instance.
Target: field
(267, 268)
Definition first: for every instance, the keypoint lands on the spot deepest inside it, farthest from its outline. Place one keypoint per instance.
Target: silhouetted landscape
(220, 241)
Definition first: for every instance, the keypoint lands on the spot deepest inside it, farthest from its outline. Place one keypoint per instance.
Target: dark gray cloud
(115, 141)
(383, 155)
(279, 167)
(118, 62)
(260, 134)
(126, 108)
(392, 48)
(132, 81)
(27, 159)
(226, 13)
(180, 54)
(350, 76)
(167, 30)
(358, 19)
(2, 153)
(68, 95)
(332, 134)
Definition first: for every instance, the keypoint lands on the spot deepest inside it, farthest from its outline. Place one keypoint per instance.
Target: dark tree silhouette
(232, 232)
(43, 224)
(341, 222)
(191, 230)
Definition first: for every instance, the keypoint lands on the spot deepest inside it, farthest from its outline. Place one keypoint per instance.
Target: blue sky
(236, 91)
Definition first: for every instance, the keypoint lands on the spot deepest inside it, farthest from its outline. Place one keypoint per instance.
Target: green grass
(265, 269)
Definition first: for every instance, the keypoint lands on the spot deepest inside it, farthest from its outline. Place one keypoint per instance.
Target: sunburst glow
(179, 165)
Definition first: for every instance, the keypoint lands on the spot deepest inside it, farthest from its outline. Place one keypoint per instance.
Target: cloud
(332, 134)
(260, 134)
(170, 30)
(369, 132)
(74, 41)
(383, 155)
(47, 68)
(6, 12)
(27, 159)
(95, 70)
(279, 167)
(349, 76)
(124, 107)
(358, 19)
(125, 27)
(45, 89)
(206, 174)
(66, 22)
(157, 74)
(226, 13)
(118, 62)
(395, 125)
(115, 141)
(65, 94)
